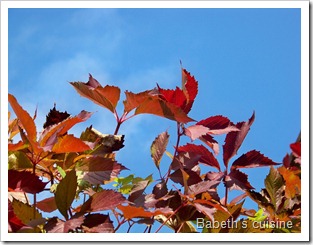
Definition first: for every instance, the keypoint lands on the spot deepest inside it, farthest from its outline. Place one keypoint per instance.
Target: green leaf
(274, 183)
(258, 216)
(18, 161)
(61, 171)
(25, 212)
(65, 192)
(158, 147)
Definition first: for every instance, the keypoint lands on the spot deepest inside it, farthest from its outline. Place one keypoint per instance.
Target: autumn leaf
(237, 180)
(274, 184)
(158, 147)
(103, 200)
(234, 140)
(69, 143)
(49, 136)
(25, 181)
(25, 212)
(47, 205)
(218, 125)
(185, 175)
(206, 156)
(133, 100)
(130, 212)
(14, 222)
(196, 131)
(252, 159)
(176, 97)
(106, 97)
(98, 223)
(292, 180)
(65, 193)
(25, 119)
(156, 106)
(98, 169)
(190, 88)
(54, 117)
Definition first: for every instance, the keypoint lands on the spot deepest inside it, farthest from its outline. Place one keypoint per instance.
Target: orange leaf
(69, 143)
(25, 119)
(293, 182)
(48, 136)
(133, 100)
(130, 212)
(18, 146)
(106, 97)
(156, 106)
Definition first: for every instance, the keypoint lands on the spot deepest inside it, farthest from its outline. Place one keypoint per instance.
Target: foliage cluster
(70, 168)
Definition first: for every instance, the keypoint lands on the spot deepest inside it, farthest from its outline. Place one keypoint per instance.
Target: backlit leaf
(211, 142)
(106, 97)
(176, 97)
(202, 186)
(133, 100)
(292, 180)
(24, 118)
(237, 180)
(158, 147)
(252, 159)
(130, 212)
(206, 156)
(19, 161)
(190, 88)
(274, 183)
(218, 125)
(156, 106)
(49, 135)
(234, 140)
(25, 181)
(14, 223)
(47, 205)
(65, 193)
(188, 175)
(103, 200)
(69, 143)
(196, 131)
(25, 212)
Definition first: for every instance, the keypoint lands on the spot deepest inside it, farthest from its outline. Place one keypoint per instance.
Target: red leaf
(98, 223)
(98, 169)
(237, 180)
(56, 225)
(14, 222)
(202, 186)
(211, 142)
(252, 159)
(103, 200)
(234, 140)
(176, 97)
(156, 106)
(106, 97)
(186, 160)
(47, 205)
(25, 182)
(69, 143)
(192, 178)
(196, 131)
(218, 125)
(158, 147)
(296, 149)
(49, 135)
(136, 195)
(190, 88)
(206, 156)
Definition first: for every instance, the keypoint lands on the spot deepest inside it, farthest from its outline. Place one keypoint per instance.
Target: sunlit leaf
(237, 180)
(274, 183)
(106, 97)
(196, 131)
(176, 97)
(156, 106)
(25, 181)
(158, 147)
(234, 140)
(130, 212)
(103, 200)
(206, 156)
(19, 161)
(202, 186)
(133, 100)
(69, 143)
(292, 180)
(25, 119)
(49, 136)
(180, 177)
(65, 193)
(252, 159)
(14, 223)
(47, 205)
(190, 88)
(25, 212)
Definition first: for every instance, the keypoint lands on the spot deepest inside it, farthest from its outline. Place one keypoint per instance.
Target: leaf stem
(169, 218)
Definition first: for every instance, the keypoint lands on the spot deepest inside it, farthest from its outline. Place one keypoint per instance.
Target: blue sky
(245, 60)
